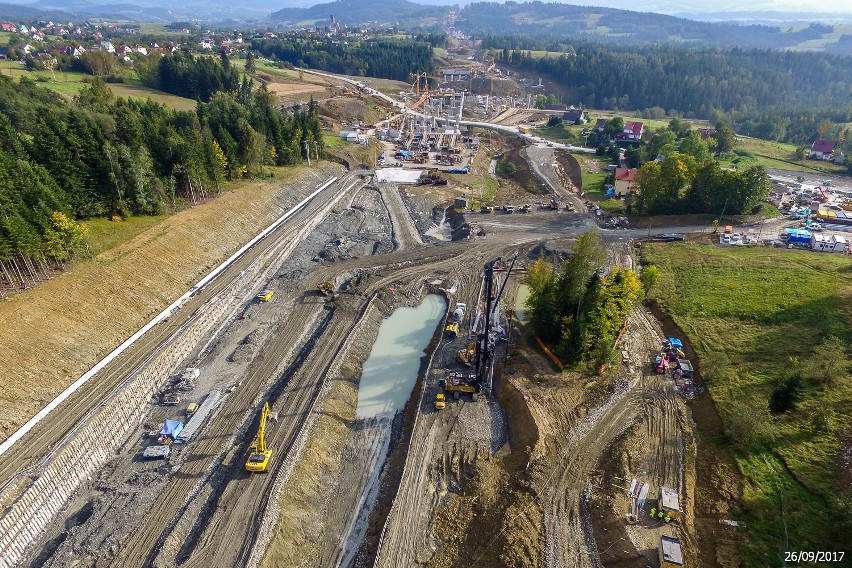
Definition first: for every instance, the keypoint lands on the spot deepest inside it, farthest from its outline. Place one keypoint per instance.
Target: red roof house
(822, 149)
(625, 181)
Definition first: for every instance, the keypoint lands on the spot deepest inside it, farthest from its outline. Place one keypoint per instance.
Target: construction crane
(415, 86)
(258, 459)
(484, 343)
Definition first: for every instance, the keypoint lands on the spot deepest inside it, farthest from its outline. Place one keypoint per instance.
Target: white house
(108, 46)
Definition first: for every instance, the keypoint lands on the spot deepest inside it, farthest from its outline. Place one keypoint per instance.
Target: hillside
(565, 22)
(351, 12)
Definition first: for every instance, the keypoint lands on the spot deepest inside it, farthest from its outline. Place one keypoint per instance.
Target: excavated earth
(528, 475)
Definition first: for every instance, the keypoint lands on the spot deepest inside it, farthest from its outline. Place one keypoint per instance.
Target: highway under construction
(510, 478)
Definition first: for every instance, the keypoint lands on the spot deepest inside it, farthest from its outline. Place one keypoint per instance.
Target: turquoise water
(391, 369)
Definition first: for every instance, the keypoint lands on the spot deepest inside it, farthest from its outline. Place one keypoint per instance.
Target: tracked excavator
(259, 455)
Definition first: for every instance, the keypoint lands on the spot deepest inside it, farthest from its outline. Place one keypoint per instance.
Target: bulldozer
(326, 288)
(259, 454)
(467, 356)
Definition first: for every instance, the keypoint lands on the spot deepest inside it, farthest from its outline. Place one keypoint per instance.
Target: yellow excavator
(259, 457)
(467, 356)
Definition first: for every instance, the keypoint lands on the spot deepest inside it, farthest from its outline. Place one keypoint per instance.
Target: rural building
(574, 116)
(632, 131)
(822, 149)
(625, 181)
(707, 133)
(669, 502)
(599, 125)
(670, 554)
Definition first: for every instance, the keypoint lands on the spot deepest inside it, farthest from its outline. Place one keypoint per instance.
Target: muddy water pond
(391, 369)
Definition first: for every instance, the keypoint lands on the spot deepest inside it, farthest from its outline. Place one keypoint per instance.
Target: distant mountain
(542, 24)
(352, 12)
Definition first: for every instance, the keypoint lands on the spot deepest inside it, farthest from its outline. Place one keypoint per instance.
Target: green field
(69, 83)
(105, 234)
(759, 307)
(754, 151)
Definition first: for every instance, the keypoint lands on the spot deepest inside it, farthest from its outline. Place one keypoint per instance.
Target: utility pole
(316, 150)
(307, 152)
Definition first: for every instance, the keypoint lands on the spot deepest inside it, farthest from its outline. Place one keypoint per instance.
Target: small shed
(669, 502)
(821, 242)
(671, 555)
(840, 243)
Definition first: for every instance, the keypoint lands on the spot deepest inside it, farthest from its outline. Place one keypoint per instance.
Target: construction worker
(653, 512)
(667, 519)
(660, 515)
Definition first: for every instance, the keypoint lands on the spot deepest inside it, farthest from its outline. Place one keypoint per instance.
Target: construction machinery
(467, 356)
(265, 295)
(326, 288)
(440, 402)
(458, 383)
(452, 330)
(485, 341)
(259, 454)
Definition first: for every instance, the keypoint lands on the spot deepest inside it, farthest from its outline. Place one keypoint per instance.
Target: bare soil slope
(55, 332)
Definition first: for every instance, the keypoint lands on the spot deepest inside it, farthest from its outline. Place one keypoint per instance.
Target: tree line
(696, 81)
(385, 59)
(105, 156)
(576, 309)
(186, 75)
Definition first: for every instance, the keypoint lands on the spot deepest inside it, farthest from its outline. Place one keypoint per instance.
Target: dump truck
(457, 383)
(265, 295)
(259, 454)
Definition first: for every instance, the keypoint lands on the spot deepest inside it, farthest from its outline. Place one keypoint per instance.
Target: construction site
(347, 380)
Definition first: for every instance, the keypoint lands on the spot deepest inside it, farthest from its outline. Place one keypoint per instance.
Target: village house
(625, 181)
(822, 149)
(632, 131)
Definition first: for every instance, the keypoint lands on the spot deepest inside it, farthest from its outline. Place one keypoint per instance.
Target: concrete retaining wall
(88, 450)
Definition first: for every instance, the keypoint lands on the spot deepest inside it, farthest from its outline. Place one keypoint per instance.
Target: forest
(384, 59)
(105, 156)
(188, 76)
(770, 94)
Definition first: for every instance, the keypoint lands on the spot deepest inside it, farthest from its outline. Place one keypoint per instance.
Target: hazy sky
(675, 6)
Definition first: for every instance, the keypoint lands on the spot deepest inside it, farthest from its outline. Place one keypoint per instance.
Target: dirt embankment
(571, 169)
